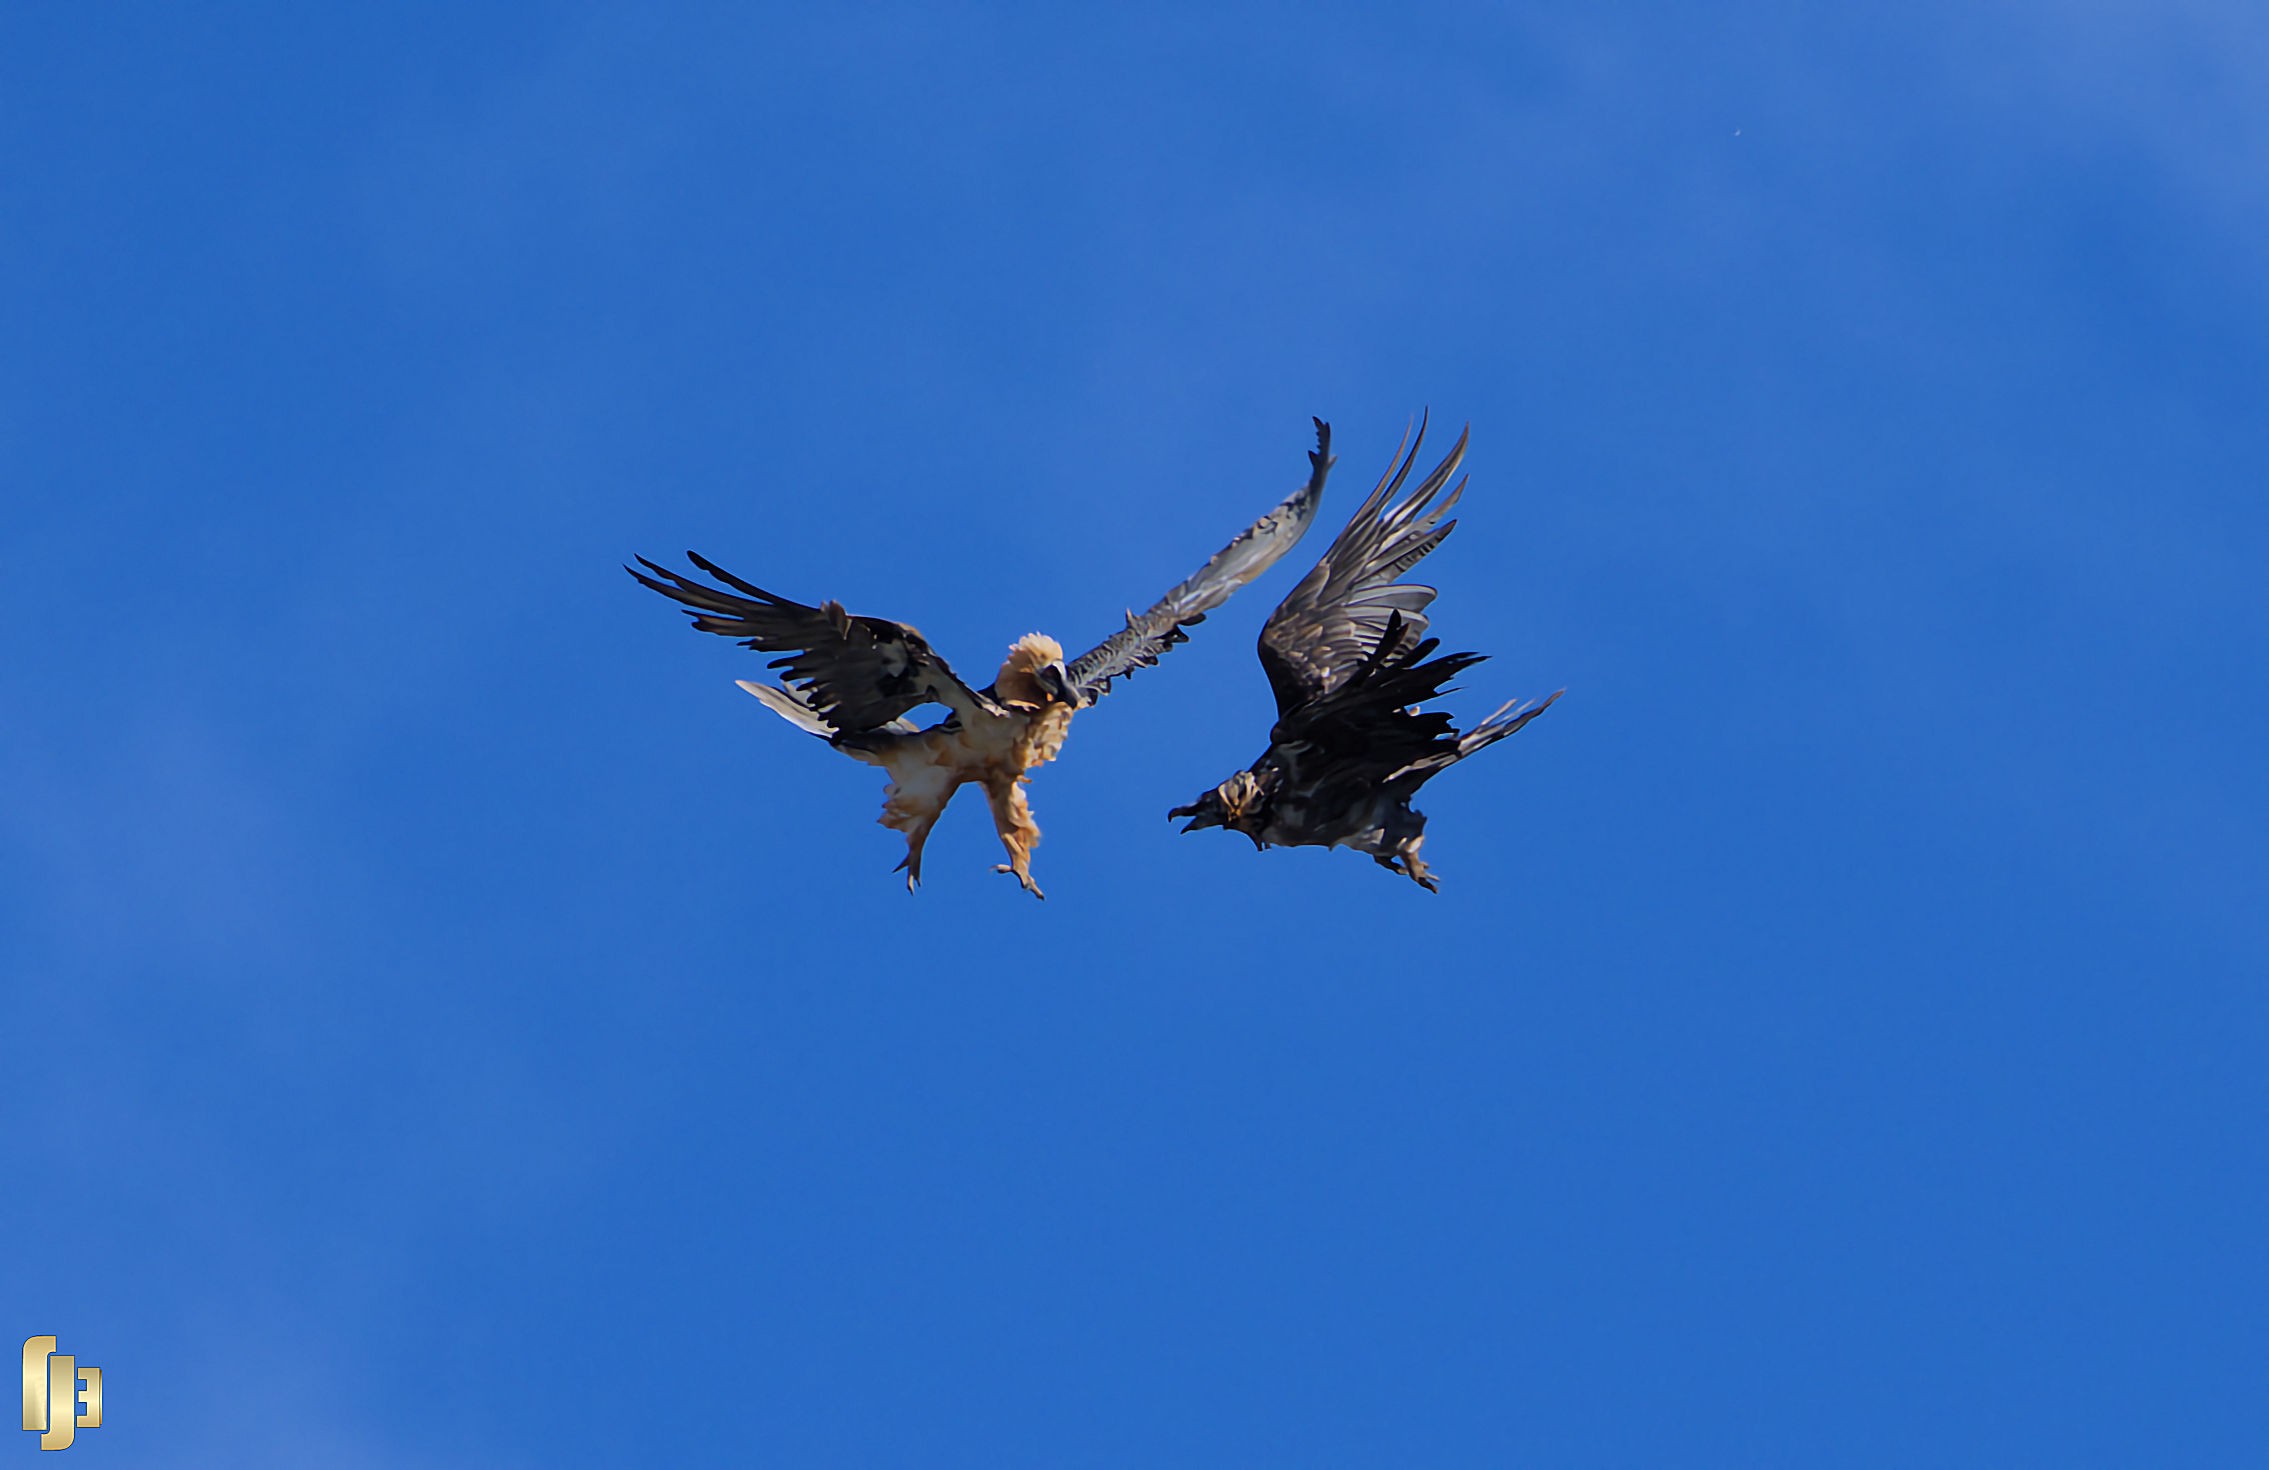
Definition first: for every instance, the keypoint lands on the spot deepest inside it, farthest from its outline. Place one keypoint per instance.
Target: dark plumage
(1348, 659)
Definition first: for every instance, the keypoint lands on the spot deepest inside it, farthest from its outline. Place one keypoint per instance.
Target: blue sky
(453, 1026)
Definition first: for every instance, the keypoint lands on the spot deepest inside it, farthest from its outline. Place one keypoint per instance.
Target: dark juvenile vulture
(1346, 654)
(851, 680)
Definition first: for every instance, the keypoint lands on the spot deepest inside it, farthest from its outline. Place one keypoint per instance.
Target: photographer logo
(56, 1405)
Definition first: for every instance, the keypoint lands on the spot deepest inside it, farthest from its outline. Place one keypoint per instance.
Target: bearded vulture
(1347, 659)
(851, 680)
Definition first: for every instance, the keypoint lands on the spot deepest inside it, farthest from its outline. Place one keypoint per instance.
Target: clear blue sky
(450, 1025)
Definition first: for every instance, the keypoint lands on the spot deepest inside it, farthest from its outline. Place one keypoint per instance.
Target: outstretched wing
(1368, 732)
(1369, 724)
(1334, 621)
(1255, 550)
(857, 674)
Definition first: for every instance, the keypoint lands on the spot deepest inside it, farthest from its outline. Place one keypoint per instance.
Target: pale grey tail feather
(791, 706)
(1508, 718)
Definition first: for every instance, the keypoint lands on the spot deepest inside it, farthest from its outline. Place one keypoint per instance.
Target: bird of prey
(852, 680)
(1348, 659)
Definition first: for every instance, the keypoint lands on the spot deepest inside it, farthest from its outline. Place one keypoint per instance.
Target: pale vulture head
(1033, 674)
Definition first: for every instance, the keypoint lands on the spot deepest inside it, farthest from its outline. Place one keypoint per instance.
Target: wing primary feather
(1254, 550)
(859, 674)
(1337, 615)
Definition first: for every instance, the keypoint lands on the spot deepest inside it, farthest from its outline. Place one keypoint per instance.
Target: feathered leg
(917, 832)
(1012, 819)
(912, 804)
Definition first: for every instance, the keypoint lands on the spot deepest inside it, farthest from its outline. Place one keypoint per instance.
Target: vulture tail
(1507, 720)
(785, 704)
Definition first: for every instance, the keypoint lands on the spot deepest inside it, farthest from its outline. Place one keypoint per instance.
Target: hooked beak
(1056, 679)
(1198, 814)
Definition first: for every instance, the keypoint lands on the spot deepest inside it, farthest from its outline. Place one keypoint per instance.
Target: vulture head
(1236, 804)
(1033, 675)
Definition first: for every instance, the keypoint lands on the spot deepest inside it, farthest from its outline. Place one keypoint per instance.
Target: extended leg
(1419, 873)
(913, 807)
(1012, 819)
(917, 832)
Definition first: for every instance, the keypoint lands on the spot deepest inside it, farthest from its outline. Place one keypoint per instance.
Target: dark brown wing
(1256, 549)
(1368, 723)
(1368, 733)
(857, 674)
(1334, 620)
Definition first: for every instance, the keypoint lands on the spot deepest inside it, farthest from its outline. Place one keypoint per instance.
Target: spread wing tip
(1336, 615)
(1250, 553)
